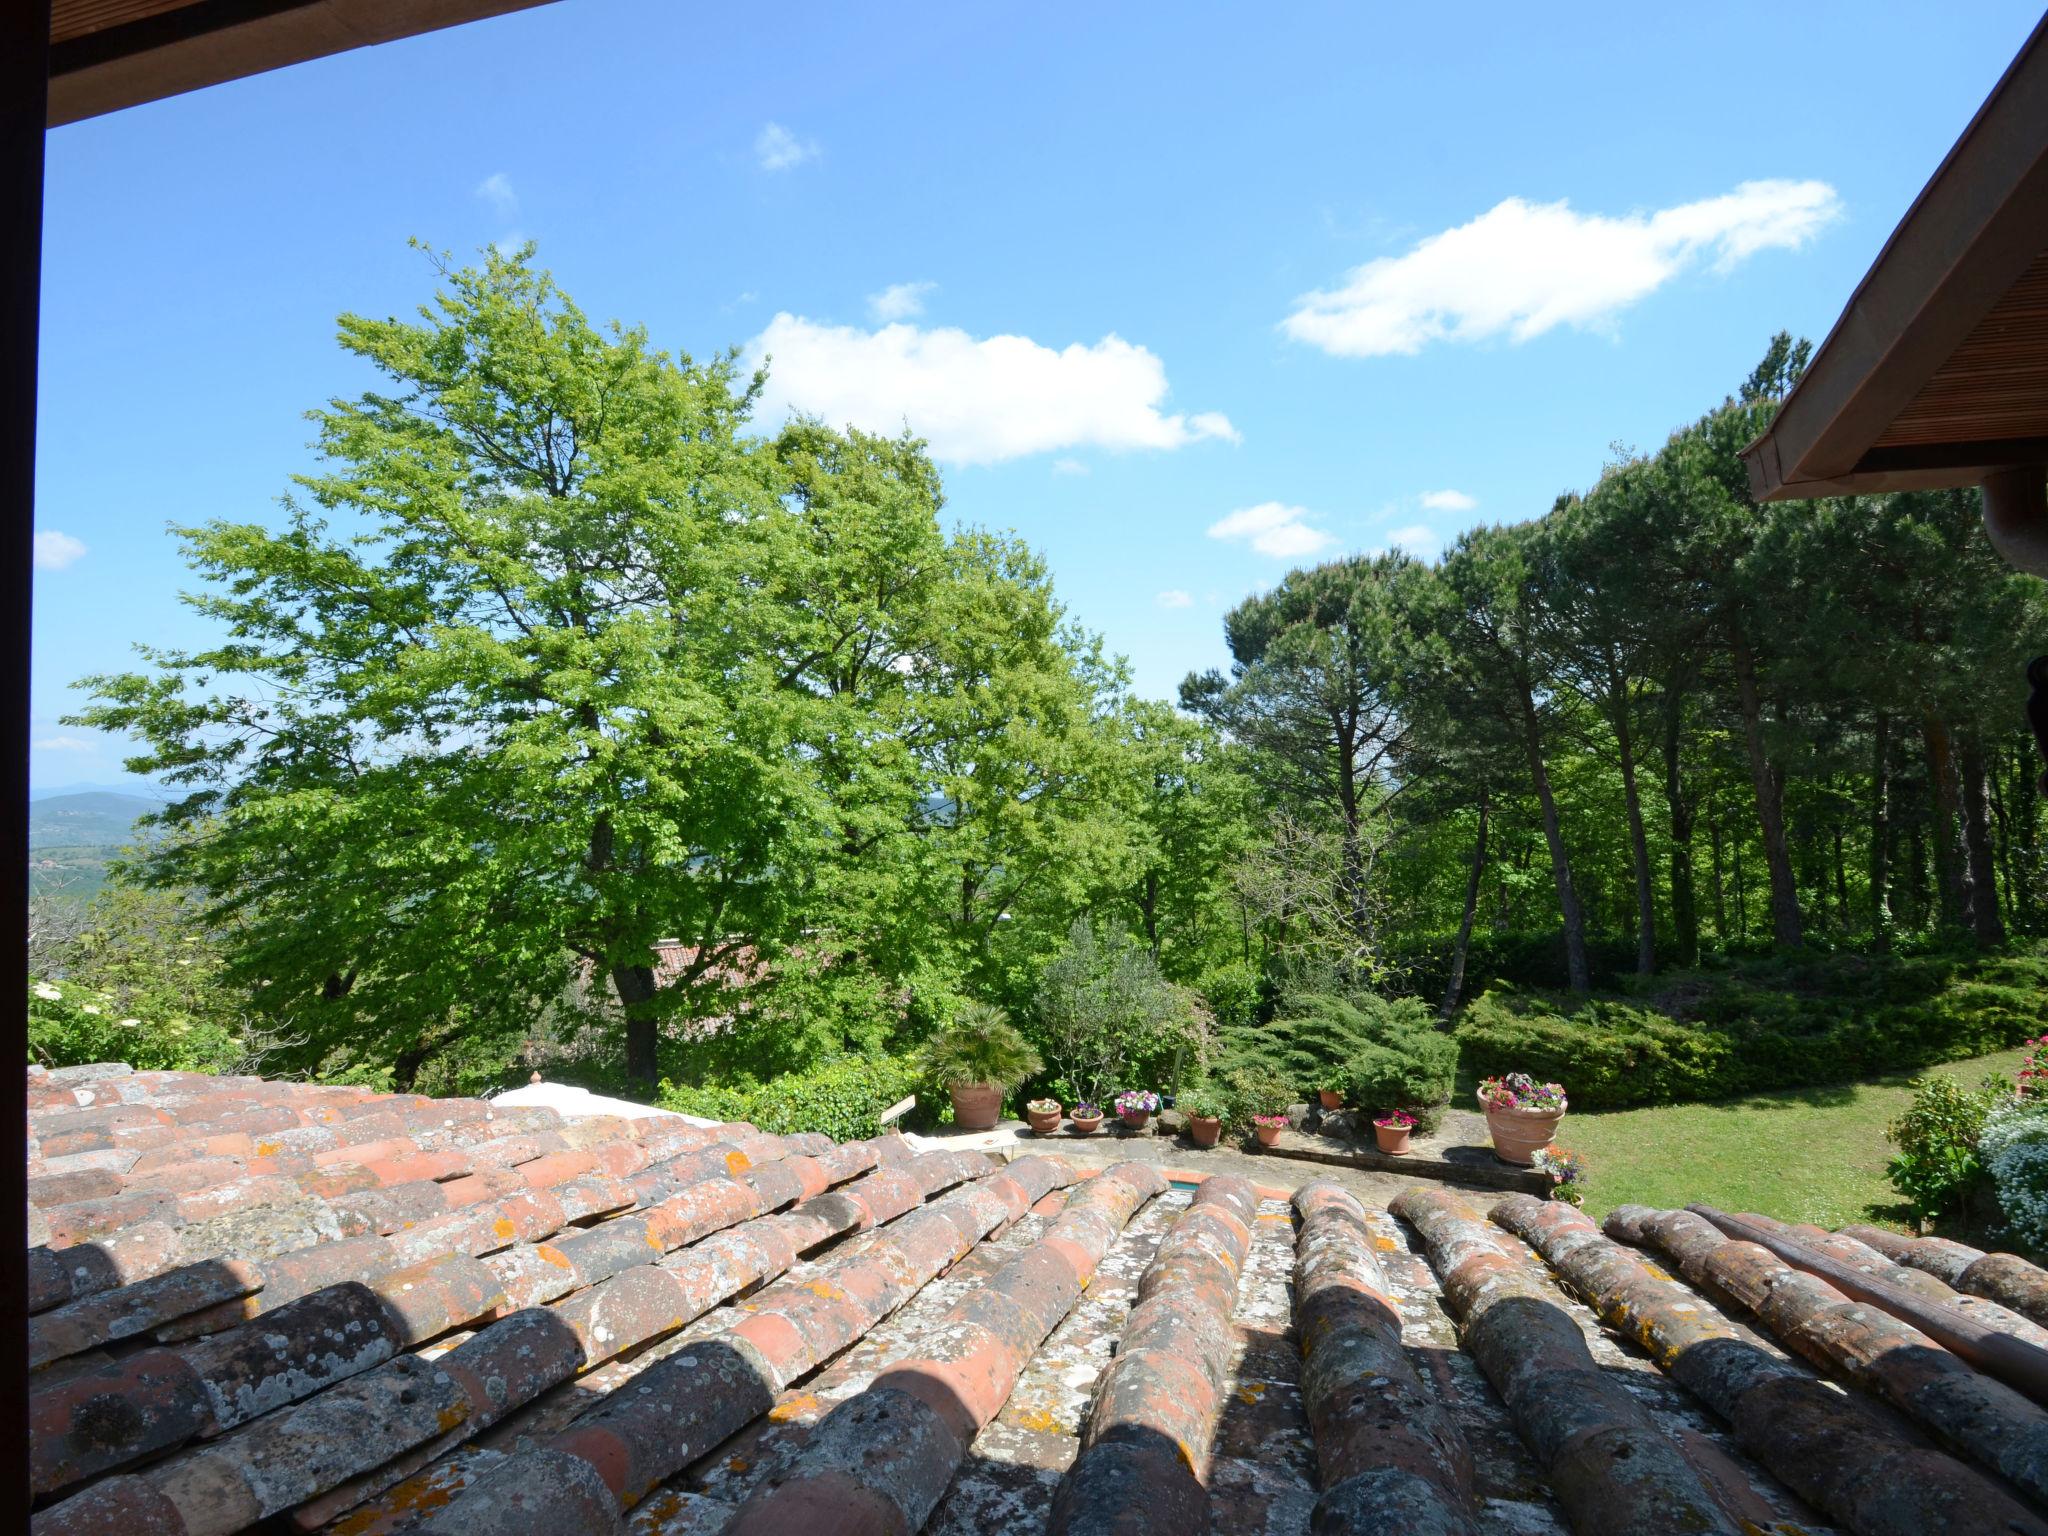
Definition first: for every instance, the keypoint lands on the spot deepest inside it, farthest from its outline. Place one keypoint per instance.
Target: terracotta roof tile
(270, 1305)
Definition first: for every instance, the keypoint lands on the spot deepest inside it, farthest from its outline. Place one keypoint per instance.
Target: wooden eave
(1936, 374)
(110, 54)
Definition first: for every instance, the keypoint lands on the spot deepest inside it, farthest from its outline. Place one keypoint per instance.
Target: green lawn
(1806, 1154)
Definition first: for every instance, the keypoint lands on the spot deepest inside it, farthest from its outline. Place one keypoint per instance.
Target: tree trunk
(1950, 877)
(1770, 805)
(1720, 886)
(1639, 842)
(1986, 923)
(1841, 879)
(1148, 906)
(1578, 975)
(1880, 833)
(635, 985)
(1353, 872)
(1685, 915)
(1459, 950)
(2026, 842)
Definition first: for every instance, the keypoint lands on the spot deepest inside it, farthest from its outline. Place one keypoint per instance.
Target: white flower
(88, 1007)
(48, 993)
(129, 1023)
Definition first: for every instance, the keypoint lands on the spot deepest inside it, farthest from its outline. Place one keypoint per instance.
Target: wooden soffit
(1937, 372)
(110, 54)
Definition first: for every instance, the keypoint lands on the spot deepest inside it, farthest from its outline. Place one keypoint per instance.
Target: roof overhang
(1937, 372)
(110, 54)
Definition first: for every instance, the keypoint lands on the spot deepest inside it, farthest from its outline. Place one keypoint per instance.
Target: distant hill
(93, 819)
(72, 838)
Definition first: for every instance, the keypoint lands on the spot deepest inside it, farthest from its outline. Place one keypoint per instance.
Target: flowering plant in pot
(1522, 1115)
(980, 1056)
(1268, 1128)
(1567, 1173)
(1137, 1106)
(1085, 1117)
(1205, 1109)
(1392, 1131)
(1044, 1114)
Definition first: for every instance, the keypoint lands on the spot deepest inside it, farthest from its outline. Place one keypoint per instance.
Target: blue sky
(1185, 295)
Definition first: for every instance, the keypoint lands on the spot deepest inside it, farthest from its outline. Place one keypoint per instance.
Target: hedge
(843, 1098)
(1772, 1024)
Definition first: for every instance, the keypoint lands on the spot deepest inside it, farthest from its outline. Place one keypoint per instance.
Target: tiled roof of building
(277, 1306)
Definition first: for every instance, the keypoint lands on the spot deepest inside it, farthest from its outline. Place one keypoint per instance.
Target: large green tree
(552, 661)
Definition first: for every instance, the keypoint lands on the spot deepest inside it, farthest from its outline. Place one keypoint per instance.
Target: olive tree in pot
(979, 1057)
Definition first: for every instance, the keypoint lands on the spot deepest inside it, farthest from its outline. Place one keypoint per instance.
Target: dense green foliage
(1381, 1053)
(1108, 1019)
(842, 1098)
(1766, 1024)
(1937, 1167)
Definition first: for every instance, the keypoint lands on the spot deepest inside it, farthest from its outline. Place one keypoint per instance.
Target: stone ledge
(1456, 1164)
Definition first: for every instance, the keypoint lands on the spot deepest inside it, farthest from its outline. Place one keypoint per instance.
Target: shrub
(980, 1046)
(1382, 1052)
(2014, 1150)
(1417, 1076)
(1107, 1019)
(1204, 1101)
(842, 1098)
(70, 1025)
(1781, 1022)
(1938, 1166)
(1251, 1091)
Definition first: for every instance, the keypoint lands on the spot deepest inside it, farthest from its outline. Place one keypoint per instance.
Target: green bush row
(1775, 1024)
(843, 1098)
(1381, 1053)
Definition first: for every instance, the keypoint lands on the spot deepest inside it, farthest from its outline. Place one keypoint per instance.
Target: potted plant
(1567, 1174)
(1392, 1131)
(1522, 1115)
(1136, 1106)
(980, 1057)
(1268, 1128)
(1084, 1117)
(1332, 1097)
(1204, 1108)
(1044, 1115)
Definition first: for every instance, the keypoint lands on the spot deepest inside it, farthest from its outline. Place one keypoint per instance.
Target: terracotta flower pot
(1135, 1119)
(1331, 1098)
(1519, 1134)
(1393, 1139)
(1269, 1135)
(1084, 1125)
(1203, 1130)
(1043, 1121)
(976, 1106)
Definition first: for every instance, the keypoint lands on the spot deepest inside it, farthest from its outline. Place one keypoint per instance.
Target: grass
(1804, 1154)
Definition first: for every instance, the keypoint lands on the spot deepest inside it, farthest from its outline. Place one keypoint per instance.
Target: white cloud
(65, 744)
(1525, 268)
(977, 401)
(1274, 529)
(1069, 467)
(1174, 598)
(777, 149)
(56, 550)
(1449, 501)
(496, 189)
(899, 301)
(1419, 540)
